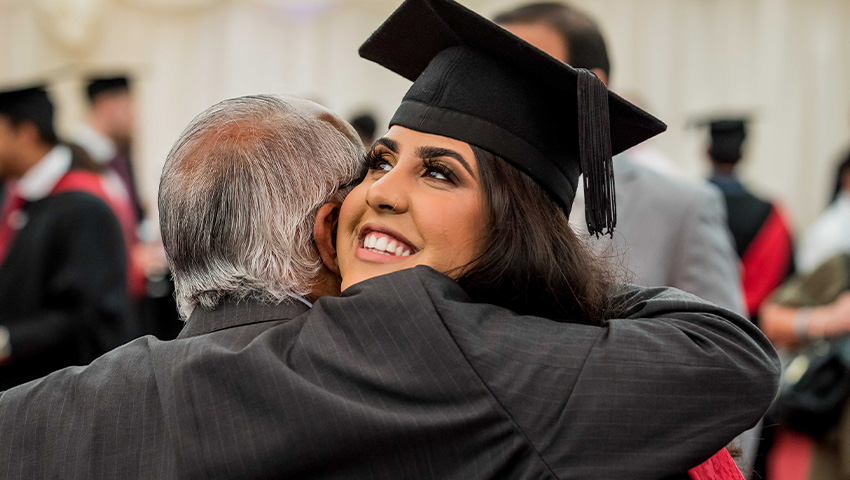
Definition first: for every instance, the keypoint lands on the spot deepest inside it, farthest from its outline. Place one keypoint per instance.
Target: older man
(399, 377)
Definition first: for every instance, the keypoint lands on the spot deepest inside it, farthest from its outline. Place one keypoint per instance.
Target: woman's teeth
(385, 245)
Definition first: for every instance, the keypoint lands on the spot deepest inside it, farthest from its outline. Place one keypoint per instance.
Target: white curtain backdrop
(785, 61)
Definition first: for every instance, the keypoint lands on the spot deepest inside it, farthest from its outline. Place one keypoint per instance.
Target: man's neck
(31, 157)
(100, 125)
(325, 283)
(723, 169)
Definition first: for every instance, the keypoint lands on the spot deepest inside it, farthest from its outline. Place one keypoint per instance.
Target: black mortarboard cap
(727, 138)
(99, 85)
(478, 83)
(31, 104)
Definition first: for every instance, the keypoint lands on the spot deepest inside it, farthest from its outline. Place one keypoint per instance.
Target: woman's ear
(324, 233)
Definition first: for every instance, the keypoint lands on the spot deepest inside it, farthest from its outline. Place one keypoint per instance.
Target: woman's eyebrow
(434, 152)
(387, 142)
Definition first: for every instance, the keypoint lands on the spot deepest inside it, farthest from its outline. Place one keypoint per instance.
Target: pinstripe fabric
(400, 377)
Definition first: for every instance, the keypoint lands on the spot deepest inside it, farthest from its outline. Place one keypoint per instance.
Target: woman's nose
(389, 193)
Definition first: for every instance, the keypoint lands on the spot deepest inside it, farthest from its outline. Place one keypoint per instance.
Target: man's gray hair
(239, 194)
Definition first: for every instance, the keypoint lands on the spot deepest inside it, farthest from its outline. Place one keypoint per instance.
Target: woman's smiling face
(420, 204)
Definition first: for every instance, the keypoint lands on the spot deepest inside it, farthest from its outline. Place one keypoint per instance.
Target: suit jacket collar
(235, 314)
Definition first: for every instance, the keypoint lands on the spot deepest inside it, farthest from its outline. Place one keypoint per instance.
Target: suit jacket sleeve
(707, 264)
(104, 420)
(86, 294)
(647, 396)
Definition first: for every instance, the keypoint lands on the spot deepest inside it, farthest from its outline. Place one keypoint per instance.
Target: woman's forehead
(408, 139)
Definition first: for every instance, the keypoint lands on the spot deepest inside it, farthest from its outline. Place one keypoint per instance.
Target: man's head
(112, 110)
(239, 195)
(26, 130)
(365, 125)
(727, 141)
(563, 32)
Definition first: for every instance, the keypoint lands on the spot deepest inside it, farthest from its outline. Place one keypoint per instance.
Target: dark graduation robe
(63, 292)
(763, 241)
(401, 377)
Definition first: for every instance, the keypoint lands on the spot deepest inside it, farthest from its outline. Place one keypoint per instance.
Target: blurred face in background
(116, 108)
(541, 36)
(9, 145)
(420, 203)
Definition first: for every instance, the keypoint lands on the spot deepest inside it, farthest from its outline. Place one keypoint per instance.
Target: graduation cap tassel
(594, 135)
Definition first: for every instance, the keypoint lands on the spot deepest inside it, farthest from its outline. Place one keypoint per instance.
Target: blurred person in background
(365, 124)
(63, 294)
(107, 136)
(762, 236)
(829, 235)
(809, 312)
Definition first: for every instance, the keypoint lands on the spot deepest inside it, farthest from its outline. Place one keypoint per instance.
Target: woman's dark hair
(532, 262)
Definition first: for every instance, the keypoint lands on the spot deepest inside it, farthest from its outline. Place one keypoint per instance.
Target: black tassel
(594, 140)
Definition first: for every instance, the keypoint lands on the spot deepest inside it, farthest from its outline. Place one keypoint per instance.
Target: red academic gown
(762, 240)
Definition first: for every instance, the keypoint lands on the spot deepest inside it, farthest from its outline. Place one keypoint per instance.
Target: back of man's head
(239, 194)
(583, 41)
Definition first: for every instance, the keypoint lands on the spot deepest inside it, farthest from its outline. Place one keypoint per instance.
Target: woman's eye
(438, 171)
(436, 174)
(378, 163)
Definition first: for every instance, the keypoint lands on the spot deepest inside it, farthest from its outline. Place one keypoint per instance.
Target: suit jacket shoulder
(627, 400)
(673, 232)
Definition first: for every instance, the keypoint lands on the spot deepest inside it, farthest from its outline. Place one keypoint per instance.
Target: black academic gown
(63, 290)
(401, 377)
(763, 241)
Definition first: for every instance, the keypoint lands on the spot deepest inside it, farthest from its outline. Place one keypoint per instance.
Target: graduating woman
(477, 175)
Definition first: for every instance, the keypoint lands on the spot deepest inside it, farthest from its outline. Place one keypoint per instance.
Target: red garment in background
(719, 467)
(92, 183)
(766, 260)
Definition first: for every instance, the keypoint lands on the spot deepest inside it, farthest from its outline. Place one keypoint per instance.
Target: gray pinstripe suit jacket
(401, 377)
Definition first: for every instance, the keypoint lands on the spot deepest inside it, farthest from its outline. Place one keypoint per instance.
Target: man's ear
(600, 75)
(324, 233)
(28, 132)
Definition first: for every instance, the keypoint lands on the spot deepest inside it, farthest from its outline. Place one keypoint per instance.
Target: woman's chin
(367, 256)
(370, 265)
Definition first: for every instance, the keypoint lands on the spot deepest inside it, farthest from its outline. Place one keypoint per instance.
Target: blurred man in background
(108, 136)
(762, 237)
(365, 125)
(63, 296)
